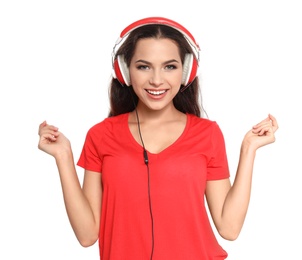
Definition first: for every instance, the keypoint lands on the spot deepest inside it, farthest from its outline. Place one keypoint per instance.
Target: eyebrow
(147, 62)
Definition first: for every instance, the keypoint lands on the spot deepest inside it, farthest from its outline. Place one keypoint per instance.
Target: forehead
(155, 45)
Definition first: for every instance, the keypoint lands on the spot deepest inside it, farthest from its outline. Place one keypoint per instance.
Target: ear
(121, 71)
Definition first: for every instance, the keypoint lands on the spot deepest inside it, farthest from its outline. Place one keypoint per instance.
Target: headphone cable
(146, 160)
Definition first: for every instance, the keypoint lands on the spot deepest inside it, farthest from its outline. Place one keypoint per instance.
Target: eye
(142, 67)
(171, 67)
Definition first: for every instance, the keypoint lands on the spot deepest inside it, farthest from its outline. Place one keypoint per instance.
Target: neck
(156, 116)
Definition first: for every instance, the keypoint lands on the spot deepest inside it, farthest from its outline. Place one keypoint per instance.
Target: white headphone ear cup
(187, 68)
(124, 70)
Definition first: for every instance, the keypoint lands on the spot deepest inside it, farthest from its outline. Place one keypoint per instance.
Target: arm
(83, 204)
(228, 204)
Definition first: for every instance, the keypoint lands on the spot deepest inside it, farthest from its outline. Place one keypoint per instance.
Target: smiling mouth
(156, 92)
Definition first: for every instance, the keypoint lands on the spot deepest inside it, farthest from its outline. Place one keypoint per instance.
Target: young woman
(151, 166)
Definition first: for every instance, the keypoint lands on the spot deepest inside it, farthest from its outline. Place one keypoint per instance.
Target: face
(156, 73)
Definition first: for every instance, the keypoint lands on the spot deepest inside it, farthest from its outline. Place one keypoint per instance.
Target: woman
(151, 166)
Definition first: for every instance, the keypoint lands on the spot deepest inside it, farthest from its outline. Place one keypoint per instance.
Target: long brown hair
(123, 99)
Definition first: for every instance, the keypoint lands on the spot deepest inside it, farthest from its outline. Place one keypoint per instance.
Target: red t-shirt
(178, 177)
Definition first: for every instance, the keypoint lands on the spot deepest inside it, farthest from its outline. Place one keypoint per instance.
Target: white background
(55, 65)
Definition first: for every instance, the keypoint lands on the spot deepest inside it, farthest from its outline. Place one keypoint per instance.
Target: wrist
(247, 148)
(63, 155)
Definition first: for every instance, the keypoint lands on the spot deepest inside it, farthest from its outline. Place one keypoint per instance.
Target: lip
(156, 93)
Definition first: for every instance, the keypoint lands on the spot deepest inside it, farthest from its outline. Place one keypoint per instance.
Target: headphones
(190, 66)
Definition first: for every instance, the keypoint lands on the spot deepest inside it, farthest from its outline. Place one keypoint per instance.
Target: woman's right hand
(52, 141)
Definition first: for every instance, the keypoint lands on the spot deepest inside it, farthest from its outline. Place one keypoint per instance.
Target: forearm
(229, 203)
(237, 200)
(79, 212)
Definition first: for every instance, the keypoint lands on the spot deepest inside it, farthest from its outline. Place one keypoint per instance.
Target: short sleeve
(90, 157)
(217, 167)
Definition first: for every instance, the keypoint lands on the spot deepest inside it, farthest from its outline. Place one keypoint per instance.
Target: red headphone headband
(163, 21)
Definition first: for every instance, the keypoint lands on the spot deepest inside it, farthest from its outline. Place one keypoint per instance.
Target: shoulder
(110, 122)
(200, 122)
(204, 128)
(108, 126)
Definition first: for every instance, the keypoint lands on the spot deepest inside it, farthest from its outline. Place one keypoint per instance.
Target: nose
(156, 78)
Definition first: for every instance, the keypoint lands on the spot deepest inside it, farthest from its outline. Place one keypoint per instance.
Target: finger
(44, 128)
(49, 137)
(265, 131)
(261, 126)
(263, 122)
(42, 125)
(274, 122)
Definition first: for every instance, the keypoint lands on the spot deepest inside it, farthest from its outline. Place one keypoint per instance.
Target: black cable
(146, 160)
(151, 214)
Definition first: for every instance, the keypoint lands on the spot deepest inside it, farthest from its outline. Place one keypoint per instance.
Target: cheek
(175, 79)
(139, 79)
(134, 74)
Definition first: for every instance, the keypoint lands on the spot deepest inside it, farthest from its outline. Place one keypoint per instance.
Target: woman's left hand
(262, 133)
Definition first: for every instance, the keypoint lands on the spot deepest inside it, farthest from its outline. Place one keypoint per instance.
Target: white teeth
(160, 92)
